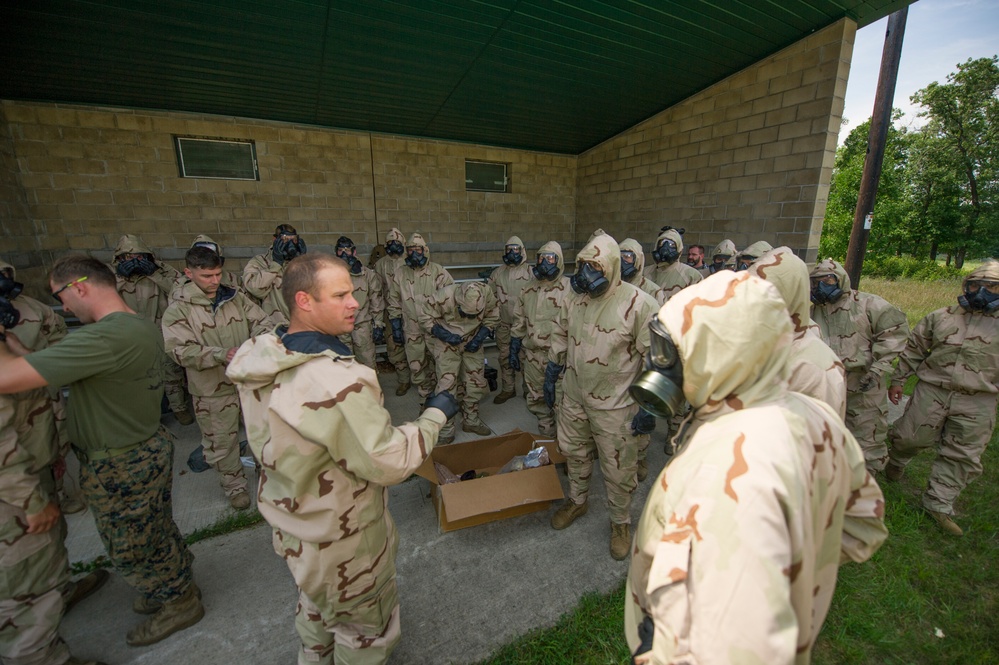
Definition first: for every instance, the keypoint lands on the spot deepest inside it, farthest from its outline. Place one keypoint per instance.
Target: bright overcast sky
(938, 35)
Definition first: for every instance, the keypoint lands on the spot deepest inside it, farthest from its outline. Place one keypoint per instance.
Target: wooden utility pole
(863, 217)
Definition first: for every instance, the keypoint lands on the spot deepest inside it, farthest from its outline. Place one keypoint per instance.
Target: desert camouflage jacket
(442, 308)
(326, 444)
(262, 277)
(412, 290)
(27, 448)
(639, 279)
(508, 282)
(672, 277)
(369, 296)
(148, 295)
(540, 304)
(747, 526)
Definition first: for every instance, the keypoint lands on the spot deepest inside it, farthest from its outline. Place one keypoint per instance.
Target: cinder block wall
(86, 175)
(749, 158)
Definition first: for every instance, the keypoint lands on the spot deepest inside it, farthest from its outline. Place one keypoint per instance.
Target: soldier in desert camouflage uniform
(955, 353)
(722, 257)
(533, 321)
(145, 285)
(508, 281)
(599, 339)
(633, 265)
(815, 369)
(670, 273)
(867, 333)
(460, 318)
(263, 273)
(387, 268)
(328, 449)
(748, 256)
(229, 278)
(737, 551)
(415, 282)
(202, 329)
(370, 304)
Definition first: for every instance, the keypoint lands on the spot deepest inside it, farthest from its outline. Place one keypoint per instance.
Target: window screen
(486, 177)
(216, 158)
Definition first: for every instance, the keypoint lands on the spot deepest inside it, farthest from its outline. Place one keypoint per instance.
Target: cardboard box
(495, 497)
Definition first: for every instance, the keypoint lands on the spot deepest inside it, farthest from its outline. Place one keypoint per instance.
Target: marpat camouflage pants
(130, 498)
(960, 426)
(581, 433)
(218, 418)
(348, 602)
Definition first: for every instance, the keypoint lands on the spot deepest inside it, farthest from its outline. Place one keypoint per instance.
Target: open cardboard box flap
(489, 453)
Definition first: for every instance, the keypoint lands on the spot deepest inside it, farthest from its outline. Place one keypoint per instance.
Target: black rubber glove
(397, 335)
(128, 267)
(278, 250)
(552, 372)
(646, 631)
(444, 401)
(481, 335)
(643, 423)
(145, 266)
(445, 335)
(9, 315)
(515, 345)
(378, 335)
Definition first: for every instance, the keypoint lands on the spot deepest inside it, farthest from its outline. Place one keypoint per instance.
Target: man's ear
(303, 301)
(187, 273)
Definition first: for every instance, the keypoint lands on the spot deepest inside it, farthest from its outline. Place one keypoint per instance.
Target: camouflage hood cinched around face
(725, 248)
(471, 297)
(632, 245)
(602, 250)
(416, 240)
(734, 338)
(395, 234)
(514, 240)
(673, 235)
(552, 247)
(130, 244)
(831, 267)
(989, 270)
(789, 274)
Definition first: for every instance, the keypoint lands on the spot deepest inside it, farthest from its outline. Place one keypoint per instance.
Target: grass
(924, 598)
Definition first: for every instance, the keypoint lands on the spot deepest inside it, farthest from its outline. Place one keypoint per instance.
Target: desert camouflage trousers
(421, 362)
(582, 433)
(218, 418)
(396, 354)
(33, 570)
(348, 603)
(174, 385)
(507, 377)
(463, 374)
(867, 419)
(130, 497)
(534, 362)
(362, 344)
(960, 427)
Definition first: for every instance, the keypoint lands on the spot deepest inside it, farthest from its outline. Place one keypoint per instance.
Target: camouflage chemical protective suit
(370, 312)
(198, 333)
(601, 342)
(867, 333)
(724, 248)
(328, 449)
(149, 296)
(756, 250)
(736, 554)
(262, 277)
(955, 354)
(671, 277)
(408, 300)
(507, 283)
(387, 268)
(533, 323)
(229, 278)
(459, 370)
(638, 279)
(815, 370)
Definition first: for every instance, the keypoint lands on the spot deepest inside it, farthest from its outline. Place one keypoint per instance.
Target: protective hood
(597, 232)
(514, 240)
(417, 240)
(602, 251)
(207, 239)
(130, 244)
(471, 297)
(789, 274)
(989, 270)
(395, 234)
(552, 247)
(632, 245)
(259, 361)
(673, 235)
(831, 267)
(6, 266)
(725, 248)
(757, 249)
(734, 339)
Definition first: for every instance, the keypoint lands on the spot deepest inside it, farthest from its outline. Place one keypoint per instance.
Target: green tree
(963, 115)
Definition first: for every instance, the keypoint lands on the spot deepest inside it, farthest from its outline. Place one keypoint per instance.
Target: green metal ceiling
(537, 74)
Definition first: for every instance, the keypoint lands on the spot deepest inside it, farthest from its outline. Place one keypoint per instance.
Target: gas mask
(416, 257)
(547, 267)
(718, 266)
(823, 293)
(9, 316)
(589, 281)
(659, 389)
(286, 248)
(141, 266)
(666, 252)
(394, 248)
(9, 289)
(513, 256)
(744, 262)
(345, 252)
(977, 296)
(214, 247)
(629, 266)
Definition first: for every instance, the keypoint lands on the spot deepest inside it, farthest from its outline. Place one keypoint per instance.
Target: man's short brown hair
(300, 275)
(202, 258)
(75, 266)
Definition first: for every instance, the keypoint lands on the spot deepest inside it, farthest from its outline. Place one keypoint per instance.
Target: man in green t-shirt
(113, 366)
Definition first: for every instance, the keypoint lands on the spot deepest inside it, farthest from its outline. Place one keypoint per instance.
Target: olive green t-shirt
(114, 370)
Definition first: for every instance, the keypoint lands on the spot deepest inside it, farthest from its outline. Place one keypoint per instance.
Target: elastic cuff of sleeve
(434, 415)
(37, 502)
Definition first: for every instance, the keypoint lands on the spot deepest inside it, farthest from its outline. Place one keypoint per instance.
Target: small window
(486, 177)
(216, 158)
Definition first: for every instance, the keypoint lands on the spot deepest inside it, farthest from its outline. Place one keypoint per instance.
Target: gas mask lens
(662, 351)
(659, 390)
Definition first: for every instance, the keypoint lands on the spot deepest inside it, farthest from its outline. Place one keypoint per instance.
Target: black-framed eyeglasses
(55, 294)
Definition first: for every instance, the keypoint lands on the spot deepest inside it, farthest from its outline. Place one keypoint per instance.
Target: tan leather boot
(174, 615)
(643, 470)
(403, 388)
(568, 513)
(504, 396)
(143, 605)
(946, 523)
(620, 540)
